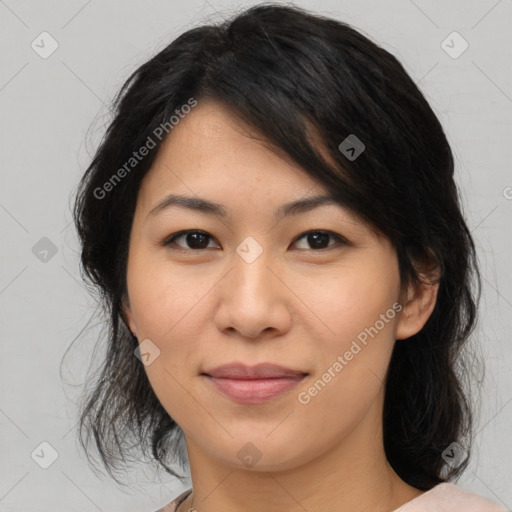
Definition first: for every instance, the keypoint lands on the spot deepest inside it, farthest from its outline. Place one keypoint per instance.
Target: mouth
(253, 384)
(254, 391)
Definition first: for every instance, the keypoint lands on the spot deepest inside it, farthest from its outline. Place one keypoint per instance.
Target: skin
(295, 305)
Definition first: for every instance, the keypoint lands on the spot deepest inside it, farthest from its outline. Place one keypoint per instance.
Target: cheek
(359, 312)
(350, 378)
(168, 308)
(164, 297)
(358, 298)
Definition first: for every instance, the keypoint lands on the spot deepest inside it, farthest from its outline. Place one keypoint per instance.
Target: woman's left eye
(198, 240)
(317, 239)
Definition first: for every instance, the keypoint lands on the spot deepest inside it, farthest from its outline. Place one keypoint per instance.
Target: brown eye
(194, 240)
(319, 240)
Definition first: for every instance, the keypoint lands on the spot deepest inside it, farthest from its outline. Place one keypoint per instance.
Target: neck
(353, 475)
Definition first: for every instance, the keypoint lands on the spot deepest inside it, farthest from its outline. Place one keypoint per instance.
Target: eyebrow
(210, 208)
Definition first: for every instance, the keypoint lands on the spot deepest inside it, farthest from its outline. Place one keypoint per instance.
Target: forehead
(211, 154)
(211, 150)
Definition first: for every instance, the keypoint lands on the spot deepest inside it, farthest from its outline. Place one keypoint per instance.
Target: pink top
(171, 507)
(441, 498)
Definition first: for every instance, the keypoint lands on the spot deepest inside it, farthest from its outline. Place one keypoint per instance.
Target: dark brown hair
(284, 70)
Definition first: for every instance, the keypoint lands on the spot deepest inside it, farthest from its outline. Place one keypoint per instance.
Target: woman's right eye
(196, 240)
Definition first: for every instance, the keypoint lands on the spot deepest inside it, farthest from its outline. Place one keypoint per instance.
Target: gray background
(53, 113)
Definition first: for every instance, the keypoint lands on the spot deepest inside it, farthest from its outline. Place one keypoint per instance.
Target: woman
(274, 227)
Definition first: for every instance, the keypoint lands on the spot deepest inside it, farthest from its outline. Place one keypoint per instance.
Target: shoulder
(173, 505)
(448, 497)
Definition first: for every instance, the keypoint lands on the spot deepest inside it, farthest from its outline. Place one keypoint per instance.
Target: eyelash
(170, 241)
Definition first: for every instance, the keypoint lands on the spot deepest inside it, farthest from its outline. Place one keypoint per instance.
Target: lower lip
(254, 391)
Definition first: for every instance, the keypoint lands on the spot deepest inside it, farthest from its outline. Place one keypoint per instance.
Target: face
(315, 291)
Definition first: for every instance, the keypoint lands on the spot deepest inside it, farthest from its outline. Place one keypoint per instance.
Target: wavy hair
(288, 73)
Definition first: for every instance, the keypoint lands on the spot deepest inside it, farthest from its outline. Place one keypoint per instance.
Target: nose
(253, 299)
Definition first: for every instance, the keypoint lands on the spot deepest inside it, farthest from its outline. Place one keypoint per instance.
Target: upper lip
(259, 371)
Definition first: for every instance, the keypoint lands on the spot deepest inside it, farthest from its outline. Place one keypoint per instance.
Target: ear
(419, 304)
(128, 314)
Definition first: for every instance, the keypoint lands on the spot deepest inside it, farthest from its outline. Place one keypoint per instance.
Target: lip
(253, 384)
(246, 372)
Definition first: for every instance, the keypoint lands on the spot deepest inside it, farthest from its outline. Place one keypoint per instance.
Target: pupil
(315, 237)
(192, 239)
